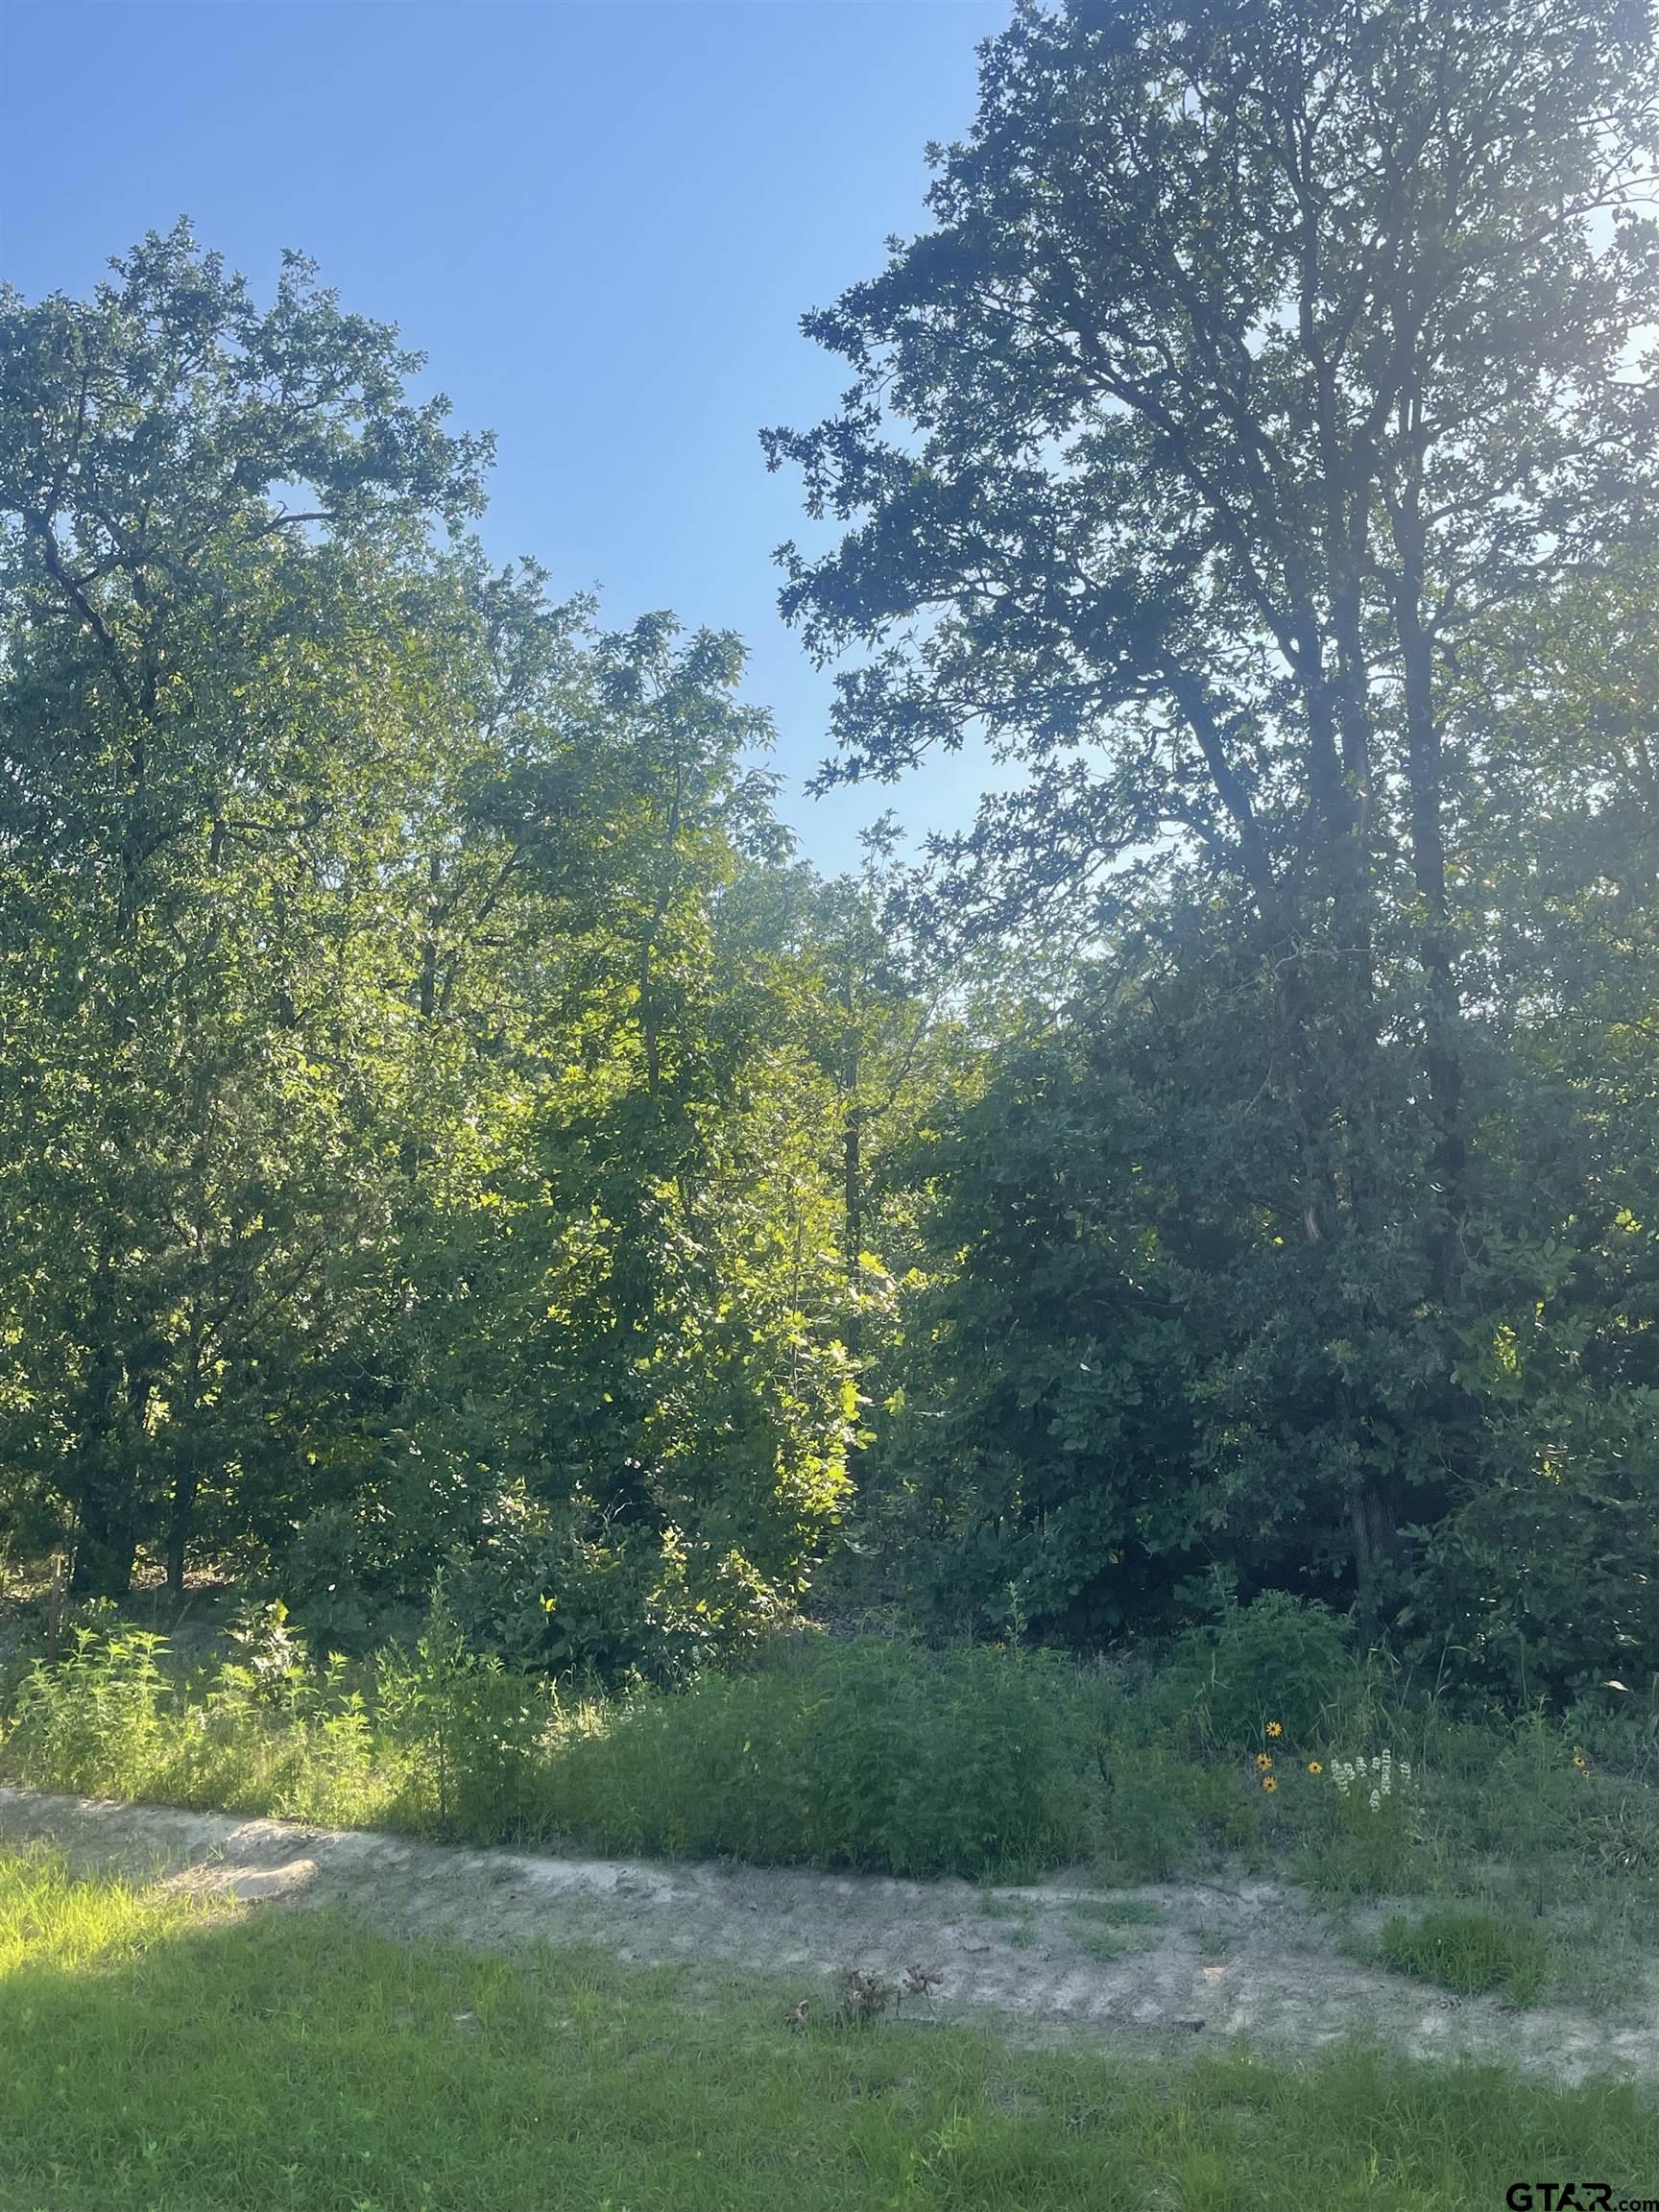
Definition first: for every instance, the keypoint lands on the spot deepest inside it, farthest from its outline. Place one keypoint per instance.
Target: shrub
(479, 1732)
(1280, 1658)
(113, 1719)
(559, 1595)
(1160, 1805)
(1544, 1580)
(871, 1754)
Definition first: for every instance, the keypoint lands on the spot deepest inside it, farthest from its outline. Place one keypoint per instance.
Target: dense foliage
(421, 1114)
(444, 1132)
(1258, 451)
(887, 1756)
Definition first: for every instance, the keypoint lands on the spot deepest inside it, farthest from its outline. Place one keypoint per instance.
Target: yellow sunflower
(1315, 1768)
(1274, 1729)
(1263, 1760)
(1269, 1784)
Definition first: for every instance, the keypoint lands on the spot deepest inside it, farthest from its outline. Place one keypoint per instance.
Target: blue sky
(601, 221)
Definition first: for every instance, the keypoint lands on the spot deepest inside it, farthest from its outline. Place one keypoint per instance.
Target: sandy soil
(1176, 1965)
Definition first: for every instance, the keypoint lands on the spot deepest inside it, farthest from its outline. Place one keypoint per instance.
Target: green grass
(1469, 1952)
(1122, 1912)
(1108, 1944)
(1110, 1928)
(158, 2058)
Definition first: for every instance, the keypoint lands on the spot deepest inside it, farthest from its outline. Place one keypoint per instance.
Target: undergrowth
(869, 1755)
(881, 1754)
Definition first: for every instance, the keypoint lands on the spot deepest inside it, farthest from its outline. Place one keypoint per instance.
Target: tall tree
(1261, 352)
(184, 478)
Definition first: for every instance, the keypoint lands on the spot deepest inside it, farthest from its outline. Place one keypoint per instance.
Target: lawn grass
(157, 2058)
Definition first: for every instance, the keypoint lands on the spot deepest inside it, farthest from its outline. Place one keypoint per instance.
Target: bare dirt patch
(1180, 1966)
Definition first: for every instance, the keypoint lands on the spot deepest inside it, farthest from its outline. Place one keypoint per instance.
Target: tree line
(447, 1130)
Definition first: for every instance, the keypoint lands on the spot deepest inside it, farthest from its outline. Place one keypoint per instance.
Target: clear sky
(600, 219)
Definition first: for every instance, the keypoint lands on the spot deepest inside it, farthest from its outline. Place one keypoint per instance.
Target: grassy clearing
(160, 2060)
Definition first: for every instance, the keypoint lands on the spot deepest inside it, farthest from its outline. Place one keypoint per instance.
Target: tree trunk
(180, 1523)
(105, 1536)
(1442, 1012)
(1374, 1517)
(105, 1544)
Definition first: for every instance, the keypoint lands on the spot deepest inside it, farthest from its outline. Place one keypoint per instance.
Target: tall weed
(873, 1755)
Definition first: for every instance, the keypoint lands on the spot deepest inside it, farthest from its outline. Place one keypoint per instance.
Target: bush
(115, 1718)
(479, 1733)
(1546, 1588)
(1160, 1805)
(1469, 1952)
(1280, 1658)
(872, 1754)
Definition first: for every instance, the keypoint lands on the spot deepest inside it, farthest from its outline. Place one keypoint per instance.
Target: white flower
(1376, 1800)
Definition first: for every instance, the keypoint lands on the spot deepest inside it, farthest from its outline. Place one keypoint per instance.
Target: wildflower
(1315, 1768)
(1274, 1729)
(1578, 1759)
(1263, 1760)
(1376, 1800)
(1269, 1784)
